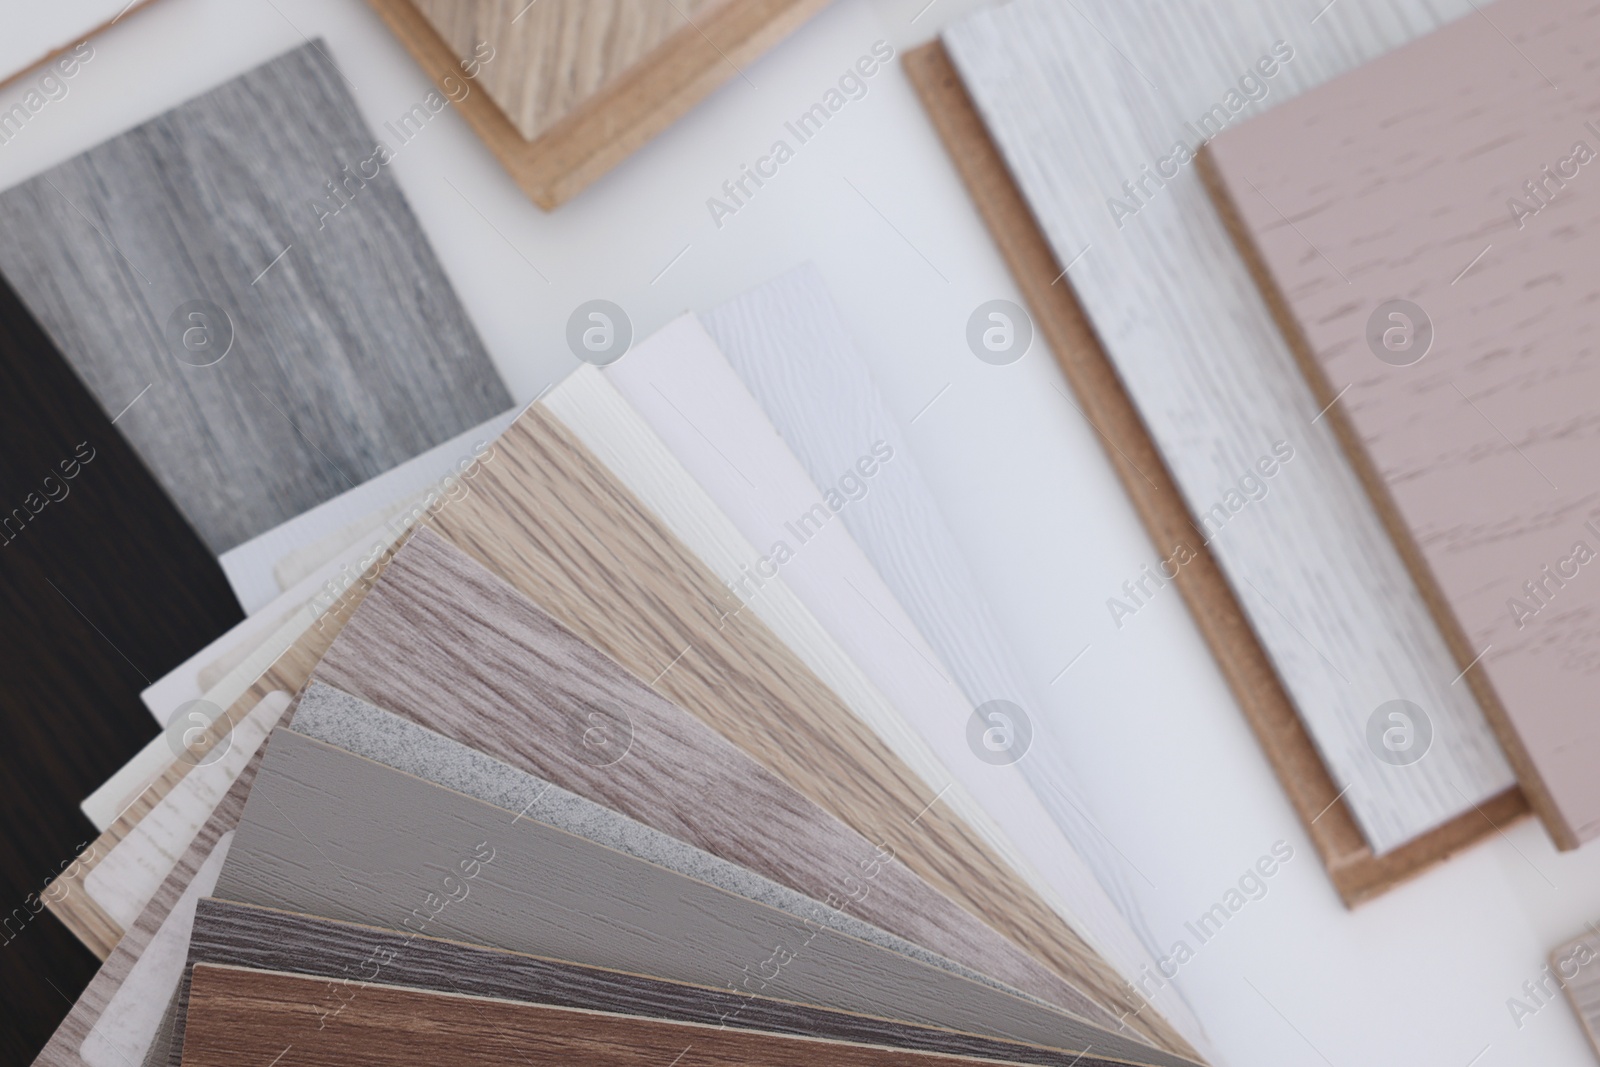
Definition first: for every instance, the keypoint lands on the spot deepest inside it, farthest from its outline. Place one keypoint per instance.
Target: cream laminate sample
(1474, 427)
(1194, 343)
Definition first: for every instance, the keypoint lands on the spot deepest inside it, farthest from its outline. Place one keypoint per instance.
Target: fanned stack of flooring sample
(757, 790)
(267, 326)
(1435, 286)
(103, 586)
(564, 90)
(1249, 499)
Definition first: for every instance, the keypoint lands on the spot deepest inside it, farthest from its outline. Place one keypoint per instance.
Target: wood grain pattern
(334, 717)
(619, 116)
(790, 347)
(1575, 966)
(552, 57)
(348, 355)
(248, 1015)
(680, 383)
(239, 935)
(1355, 872)
(1321, 583)
(329, 833)
(1479, 450)
(645, 602)
(103, 585)
(505, 678)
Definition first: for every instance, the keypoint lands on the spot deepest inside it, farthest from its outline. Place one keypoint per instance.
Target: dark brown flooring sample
(240, 1016)
(348, 954)
(103, 588)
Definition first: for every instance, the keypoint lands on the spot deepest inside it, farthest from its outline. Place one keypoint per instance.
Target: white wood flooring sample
(1076, 115)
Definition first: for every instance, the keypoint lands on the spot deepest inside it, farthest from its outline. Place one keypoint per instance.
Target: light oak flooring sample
(554, 55)
(680, 384)
(244, 1015)
(349, 954)
(645, 601)
(329, 833)
(1194, 344)
(446, 644)
(563, 90)
(1450, 174)
(261, 355)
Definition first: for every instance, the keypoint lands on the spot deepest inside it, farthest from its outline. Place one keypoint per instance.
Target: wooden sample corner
(1355, 871)
(625, 111)
(1464, 389)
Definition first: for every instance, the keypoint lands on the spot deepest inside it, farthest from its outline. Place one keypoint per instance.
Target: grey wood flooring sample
(329, 833)
(275, 351)
(240, 935)
(445, 643)
(336, 718)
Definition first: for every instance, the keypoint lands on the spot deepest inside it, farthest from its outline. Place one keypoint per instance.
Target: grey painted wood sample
(1465, 396)
(1321, 582)
(443, 642)
(240, 935)
(242, 285)
(334, 717)
(330, 833)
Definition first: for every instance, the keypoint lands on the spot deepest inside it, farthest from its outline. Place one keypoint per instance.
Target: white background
(1419, 977)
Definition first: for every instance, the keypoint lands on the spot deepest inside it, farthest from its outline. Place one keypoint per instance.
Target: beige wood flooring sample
(1424, 229)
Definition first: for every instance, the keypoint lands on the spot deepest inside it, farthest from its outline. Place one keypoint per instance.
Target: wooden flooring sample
(240, 1015)
(681, 385)
(326, 832)
(1575, 968)
(583, 723)
(265, 336)
(1165, 292)
(1434, 279)
(348, 954)
(645, 601)
(103, 586)
(333, 717)
(570, 88)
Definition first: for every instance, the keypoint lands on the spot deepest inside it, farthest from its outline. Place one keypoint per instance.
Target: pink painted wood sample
(1425, 228)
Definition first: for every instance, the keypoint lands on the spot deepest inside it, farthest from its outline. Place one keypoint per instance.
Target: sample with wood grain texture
(268, 327)
(791, 348)
(1215, 387)
(239, 935)
(334, 717)
(1447, 307)
(775, 503)
(243, 1014)
(1576, 968)
(663, 615)
(583, 723)
(435, 861)
(533, 512)
(564, 90)
(103, 585)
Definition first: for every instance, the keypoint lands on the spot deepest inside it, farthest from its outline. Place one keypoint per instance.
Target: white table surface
(1420, 977)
